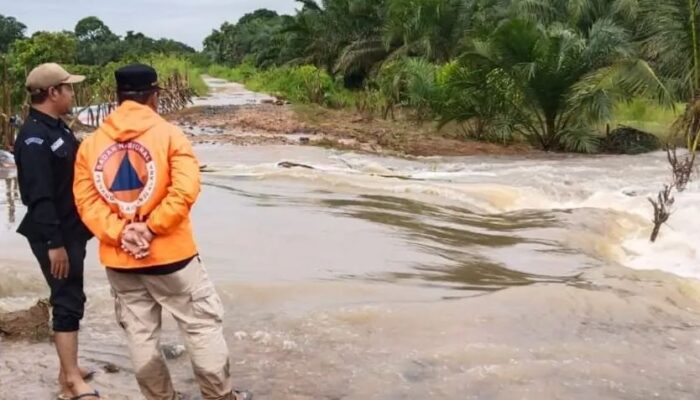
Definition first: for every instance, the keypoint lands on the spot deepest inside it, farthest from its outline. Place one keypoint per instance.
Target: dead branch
(682, 169)
(662, 209)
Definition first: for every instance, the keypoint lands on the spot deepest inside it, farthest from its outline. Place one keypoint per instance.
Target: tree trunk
(548, 136)
(696, 45)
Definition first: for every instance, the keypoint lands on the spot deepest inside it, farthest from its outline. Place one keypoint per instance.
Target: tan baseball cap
(49, 75)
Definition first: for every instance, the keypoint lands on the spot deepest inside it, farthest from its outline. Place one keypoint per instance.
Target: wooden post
(7, 130)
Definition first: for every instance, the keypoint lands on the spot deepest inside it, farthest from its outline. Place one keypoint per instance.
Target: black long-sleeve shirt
(45, 153)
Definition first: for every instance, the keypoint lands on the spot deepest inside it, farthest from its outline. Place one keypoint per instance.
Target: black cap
(136, 78)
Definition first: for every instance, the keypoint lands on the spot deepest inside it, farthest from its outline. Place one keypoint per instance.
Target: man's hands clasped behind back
(136, 240)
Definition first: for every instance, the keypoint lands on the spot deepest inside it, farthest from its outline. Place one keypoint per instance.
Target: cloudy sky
(188, 21)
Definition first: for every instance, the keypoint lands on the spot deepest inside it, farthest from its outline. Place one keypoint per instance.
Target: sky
(188, 21)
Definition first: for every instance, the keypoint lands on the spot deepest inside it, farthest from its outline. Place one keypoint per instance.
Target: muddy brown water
(436, 278)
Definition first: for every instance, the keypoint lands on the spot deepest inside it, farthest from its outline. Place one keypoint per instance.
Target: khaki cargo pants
(190, 297)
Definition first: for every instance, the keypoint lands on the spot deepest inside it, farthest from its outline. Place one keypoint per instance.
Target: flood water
(437, 278)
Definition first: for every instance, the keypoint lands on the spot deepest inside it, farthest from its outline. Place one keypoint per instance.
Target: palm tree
(331, 27)
(671, 41)
(670, 32)
(431, 29)
(425, 28)
(581, 14)
(568, 80)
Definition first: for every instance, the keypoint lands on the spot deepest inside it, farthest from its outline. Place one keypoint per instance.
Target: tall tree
(428, 28)
(44, 47)
(343, 35)
(11, 30)
(213, 45)
(260, 37)
(97, 45)
(93, 29)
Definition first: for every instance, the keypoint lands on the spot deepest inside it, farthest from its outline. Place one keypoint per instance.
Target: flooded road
(381, 278)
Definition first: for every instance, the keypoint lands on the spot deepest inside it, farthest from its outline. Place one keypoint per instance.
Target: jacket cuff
(149, 225)
(56, 241)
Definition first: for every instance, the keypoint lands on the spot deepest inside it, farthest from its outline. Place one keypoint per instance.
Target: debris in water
(289, 345)
(628, 140)
(240, 335)
(662, 209)
(205, 168)
(262, 337)
(417, 371)
(682, 173)
(111, 368)
(289, 164)
(682, 169)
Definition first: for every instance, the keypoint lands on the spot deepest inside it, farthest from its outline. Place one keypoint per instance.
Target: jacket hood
(129, 121)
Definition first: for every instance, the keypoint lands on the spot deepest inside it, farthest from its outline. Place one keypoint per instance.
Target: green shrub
(300, 84)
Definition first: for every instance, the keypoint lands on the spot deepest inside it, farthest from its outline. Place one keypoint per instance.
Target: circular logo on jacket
(125, 175)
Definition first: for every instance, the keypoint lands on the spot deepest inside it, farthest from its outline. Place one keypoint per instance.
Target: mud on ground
(259, 124)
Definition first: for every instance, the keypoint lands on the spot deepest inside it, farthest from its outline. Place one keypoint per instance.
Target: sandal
(95, 394)
(87, 378)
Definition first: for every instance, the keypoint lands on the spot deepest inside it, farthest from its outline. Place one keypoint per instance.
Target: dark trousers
(67, 295)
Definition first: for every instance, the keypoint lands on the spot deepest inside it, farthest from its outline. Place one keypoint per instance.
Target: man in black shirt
(45, 153)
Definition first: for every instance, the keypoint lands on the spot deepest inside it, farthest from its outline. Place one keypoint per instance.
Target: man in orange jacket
(136, 179)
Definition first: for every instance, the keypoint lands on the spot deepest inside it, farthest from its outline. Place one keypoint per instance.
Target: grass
(299, 84)
(240, 74)
(647, 116)
(165, 65)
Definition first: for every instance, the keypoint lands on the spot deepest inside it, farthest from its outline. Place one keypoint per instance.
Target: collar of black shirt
(45, 118)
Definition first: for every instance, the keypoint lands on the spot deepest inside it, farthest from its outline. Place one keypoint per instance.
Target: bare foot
(87, 374)
(76, 386)
(66, 393)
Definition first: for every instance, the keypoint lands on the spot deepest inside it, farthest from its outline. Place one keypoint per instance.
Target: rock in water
(27, 324)
(289, 164)
(173, 351)
(111, 368)
(627, 140)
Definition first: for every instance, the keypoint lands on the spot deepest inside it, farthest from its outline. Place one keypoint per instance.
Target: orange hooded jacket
(138, 167)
